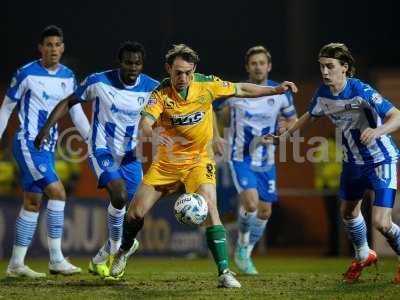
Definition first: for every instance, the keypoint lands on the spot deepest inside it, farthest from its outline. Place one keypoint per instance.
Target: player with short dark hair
(37, 88)
(118, 98)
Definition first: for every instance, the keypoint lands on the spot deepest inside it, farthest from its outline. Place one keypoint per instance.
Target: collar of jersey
(51, 72)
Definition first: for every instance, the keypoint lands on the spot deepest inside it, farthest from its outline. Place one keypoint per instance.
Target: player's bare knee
(348, 213)
(381, 224)
(136, 212)
(56, 192)
(32, 205)
(119, 198)
(250, 206)
(264, 213)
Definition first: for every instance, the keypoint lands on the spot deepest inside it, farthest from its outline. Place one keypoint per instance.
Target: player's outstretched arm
(58, 112)
(250, 90)
(300, 123)
(5, 112)
(391, 124)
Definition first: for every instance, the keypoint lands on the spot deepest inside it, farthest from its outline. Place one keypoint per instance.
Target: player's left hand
(369, 135)
(285, 86)
(219, 146)
(41, 138)
(282, 125)
(270, 139)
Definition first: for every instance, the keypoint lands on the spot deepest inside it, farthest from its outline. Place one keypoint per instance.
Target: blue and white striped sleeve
(288, 110)
(314, 108)
(17, 87)
(375, 100)
(85, 91)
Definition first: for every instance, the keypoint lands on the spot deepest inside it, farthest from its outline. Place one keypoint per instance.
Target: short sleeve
(17, 87)
(85, 91)
(220, 88)
(315, 109)
(375, 100)
(154, 106)
(288, 110)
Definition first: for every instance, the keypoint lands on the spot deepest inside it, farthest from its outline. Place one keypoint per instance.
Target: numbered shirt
(252, 118)
(116, 109)
(37, 91)
(353, 110)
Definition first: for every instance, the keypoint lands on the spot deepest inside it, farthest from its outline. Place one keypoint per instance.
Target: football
(191, 209)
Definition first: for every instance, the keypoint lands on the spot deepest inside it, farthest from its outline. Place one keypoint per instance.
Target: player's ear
(167, 68)
(345, 68)
(247, 68)
(269, 67)
(40, 47)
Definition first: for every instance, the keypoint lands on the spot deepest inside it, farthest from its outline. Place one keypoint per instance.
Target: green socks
(216, 242)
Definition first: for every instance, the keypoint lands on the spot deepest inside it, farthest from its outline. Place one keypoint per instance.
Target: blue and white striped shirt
(371, 109)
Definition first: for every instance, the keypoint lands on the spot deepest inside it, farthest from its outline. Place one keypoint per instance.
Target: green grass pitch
(178, 278)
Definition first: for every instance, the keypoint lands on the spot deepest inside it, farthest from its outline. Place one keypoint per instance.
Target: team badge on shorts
(42, 168)
(211, 171)
(106, 163)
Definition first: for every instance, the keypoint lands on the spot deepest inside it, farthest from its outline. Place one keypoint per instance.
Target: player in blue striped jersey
(365, 120)
(253, 163)
(36, 89)
(118, 97)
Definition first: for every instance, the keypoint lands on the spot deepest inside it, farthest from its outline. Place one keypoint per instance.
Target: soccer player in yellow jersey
(182, 108)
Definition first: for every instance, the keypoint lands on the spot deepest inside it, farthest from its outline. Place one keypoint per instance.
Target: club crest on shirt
(63, 85)
(169, 103)
(202, 99)
(271, 101)
(140, 100)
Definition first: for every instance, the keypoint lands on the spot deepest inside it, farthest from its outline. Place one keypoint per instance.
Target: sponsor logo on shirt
(190, 119)
(126, 112)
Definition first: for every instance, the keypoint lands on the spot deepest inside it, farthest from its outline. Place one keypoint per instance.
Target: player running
(253, 164)
(37, 88)
(182, 106)
(365, 120)
(118, 98)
